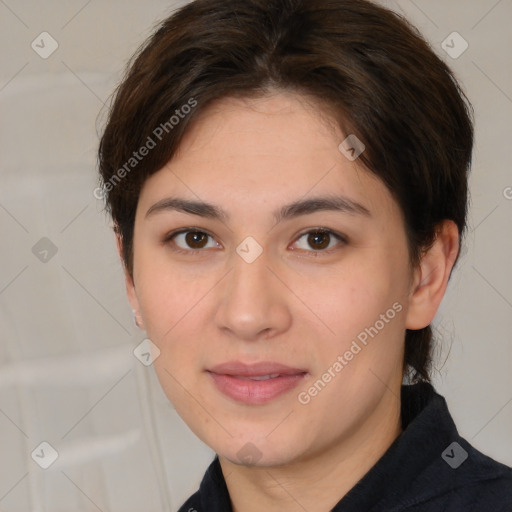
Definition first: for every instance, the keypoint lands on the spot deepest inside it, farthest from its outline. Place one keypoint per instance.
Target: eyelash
(196, 252)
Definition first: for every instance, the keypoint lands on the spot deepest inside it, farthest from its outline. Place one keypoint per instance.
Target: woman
(288, 184)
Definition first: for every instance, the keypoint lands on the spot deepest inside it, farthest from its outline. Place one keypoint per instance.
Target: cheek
(363, 306)
(173, 309)
(365, 353)
(352, 298)
(168, 292)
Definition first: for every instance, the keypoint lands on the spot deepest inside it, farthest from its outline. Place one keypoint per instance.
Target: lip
(239, 369)
(233, 380)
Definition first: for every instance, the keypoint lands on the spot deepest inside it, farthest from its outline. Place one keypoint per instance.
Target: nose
(254, 303)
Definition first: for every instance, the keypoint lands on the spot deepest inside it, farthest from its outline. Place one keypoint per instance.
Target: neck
(319, 482)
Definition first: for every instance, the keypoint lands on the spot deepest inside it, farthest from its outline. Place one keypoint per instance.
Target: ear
(129, 283)
(431, 276)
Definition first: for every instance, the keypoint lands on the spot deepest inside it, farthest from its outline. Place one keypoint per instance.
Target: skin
(295, 304)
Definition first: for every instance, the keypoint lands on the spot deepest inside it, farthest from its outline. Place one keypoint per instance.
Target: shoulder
(437, 467)
(193, 504)
(212, 495)
(463, 479)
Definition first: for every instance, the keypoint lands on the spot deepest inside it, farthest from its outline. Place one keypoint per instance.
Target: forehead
(268, 150)
(277, 121)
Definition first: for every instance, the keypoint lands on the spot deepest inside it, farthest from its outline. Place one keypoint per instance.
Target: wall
(68, 375)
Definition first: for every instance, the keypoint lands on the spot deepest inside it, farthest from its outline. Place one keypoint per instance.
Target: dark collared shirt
(428, 468)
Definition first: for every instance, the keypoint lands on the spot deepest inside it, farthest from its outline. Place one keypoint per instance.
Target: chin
(257, 453)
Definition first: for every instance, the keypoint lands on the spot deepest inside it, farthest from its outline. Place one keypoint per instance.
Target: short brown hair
(375, 74)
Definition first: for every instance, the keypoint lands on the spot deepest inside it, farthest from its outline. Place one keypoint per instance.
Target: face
(261, 249)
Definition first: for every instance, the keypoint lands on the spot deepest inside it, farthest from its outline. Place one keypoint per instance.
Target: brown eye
(319, 240)
(191, 241)
(196, 239)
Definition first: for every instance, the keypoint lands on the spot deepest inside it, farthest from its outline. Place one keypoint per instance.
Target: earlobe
(431, 276)
(130, 285)
(137, 320)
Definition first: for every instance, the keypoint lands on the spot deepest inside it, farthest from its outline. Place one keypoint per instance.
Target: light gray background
(67, 372)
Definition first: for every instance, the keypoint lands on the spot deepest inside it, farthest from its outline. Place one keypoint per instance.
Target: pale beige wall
(67, 372)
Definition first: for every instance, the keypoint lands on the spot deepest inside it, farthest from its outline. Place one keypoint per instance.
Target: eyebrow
(296, 209)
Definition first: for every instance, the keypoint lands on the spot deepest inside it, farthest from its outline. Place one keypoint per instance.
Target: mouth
(255, 383)
(258, 377)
